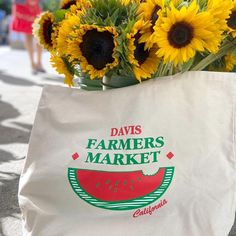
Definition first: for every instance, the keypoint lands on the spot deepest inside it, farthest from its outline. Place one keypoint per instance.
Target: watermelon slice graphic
(119, 190)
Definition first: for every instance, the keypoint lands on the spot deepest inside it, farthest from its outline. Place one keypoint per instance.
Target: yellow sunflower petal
(45, 30)
(230, 62)
(60, 66)
(94, 47)
(185, 31)
(66, 27)
(220, 11)
(231, 21)
(74, 5)
(144, 61)
(151, 12)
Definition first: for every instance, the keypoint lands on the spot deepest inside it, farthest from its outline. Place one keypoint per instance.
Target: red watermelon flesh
(118, 186)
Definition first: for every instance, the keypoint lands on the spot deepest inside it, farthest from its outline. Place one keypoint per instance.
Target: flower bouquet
(151, 159)
(132, 41)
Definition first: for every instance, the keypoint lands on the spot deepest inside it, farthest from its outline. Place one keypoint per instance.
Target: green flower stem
(105, 81)
(159, 71)
(229, 46)
(171, 69)
(164, 69)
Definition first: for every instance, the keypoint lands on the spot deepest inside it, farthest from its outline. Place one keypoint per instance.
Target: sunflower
(95, 48)
(82, 5)
(47, 30)
(74, 5)
(127, 2)
(175, 2)
(36, 27)
(150, 11)
(62, 67)
(66, 4)
(225, 64)
(231, 21)
(185, 31)
(220, 10)
(66, 26)
(144, 61)
(230, 62)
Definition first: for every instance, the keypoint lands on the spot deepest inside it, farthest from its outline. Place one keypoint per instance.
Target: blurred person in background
(24, 13)
(5, 18)
(2, 29)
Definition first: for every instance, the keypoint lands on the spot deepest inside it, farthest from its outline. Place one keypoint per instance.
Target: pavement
(19, 96)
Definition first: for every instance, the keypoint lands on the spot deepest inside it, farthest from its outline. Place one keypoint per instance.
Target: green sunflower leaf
(109, 13)
(60, 14)
(90, 83)
(234, 51)
(90, 88)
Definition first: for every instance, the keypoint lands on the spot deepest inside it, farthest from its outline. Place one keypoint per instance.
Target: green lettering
(145, 158)
(149, 143)
(91, 142)
(155, 155)
(118, 159)
(131, 160)
(124, 145)
(101, 145)
(106, 159)
(112, 145)
(94, 159)
(159, 142)
(138, 143)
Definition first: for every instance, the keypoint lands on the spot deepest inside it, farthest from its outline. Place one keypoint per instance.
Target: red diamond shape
(170, 155)
(75, 156)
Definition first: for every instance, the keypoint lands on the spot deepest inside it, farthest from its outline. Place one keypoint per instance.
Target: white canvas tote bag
(153, 159)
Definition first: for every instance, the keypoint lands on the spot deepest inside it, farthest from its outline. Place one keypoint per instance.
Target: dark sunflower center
(47, 32)
(180, 34)
(139, 53)
(154, 16)
(232, 20)
(97, 48)
(68, 4)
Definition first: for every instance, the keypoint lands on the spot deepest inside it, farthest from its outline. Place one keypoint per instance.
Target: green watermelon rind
(121, 205)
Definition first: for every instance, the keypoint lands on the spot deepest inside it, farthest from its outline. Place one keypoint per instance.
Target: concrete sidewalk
(19, 95)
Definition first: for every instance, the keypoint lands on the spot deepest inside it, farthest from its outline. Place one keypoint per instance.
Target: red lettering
(136, 213)
(127, 128)
(132, 129)
(114, 131)
(121, 132)
(149, 210)
(138, 129)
